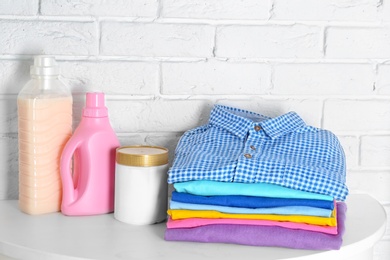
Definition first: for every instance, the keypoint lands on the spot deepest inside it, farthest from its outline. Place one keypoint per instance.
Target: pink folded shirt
(197, 222)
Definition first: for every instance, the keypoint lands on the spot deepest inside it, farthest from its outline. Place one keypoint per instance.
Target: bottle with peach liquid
(44, 127)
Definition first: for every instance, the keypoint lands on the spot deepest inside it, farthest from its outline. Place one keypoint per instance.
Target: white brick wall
(269, 41)
(357, 115)
(215, 77)
(164, 63)
(156, 39)
(51, 37)
(112, 77)
(216, 9)
(357, 42)
(144, 8)
(325, 10)
(19, 7)
(323, 79)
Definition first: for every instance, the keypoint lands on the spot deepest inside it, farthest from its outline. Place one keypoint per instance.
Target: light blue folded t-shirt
(288, 210)
(214, 188)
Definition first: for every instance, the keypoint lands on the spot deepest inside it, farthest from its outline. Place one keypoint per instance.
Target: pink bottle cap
(94, 106)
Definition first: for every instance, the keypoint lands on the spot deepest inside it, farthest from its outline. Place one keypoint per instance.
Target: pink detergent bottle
(90, 189)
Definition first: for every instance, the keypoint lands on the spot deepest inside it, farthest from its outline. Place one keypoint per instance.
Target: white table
(54, 236)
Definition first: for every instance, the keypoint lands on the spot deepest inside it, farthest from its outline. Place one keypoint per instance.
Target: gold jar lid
(141, 155)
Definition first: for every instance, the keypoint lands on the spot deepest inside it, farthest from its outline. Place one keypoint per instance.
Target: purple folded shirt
(263, 235)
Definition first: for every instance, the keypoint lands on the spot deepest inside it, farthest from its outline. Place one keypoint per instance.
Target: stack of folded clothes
(245, 178)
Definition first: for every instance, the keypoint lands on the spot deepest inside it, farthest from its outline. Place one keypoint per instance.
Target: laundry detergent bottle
(44, 127)
(88, 183)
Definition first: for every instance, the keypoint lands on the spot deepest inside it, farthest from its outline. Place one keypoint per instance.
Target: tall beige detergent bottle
(44, 127)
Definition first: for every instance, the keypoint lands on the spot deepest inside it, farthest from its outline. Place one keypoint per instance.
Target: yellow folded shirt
(313, 220)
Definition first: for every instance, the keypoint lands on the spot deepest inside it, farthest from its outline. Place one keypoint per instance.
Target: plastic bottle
(90, 189)
(45, 125)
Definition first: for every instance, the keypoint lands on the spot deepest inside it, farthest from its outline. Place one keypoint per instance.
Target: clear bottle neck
(35, 76)
(45, 81)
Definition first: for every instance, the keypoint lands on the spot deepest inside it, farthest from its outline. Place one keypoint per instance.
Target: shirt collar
(238, 121)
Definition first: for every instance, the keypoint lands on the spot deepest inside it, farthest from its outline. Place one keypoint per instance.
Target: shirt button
(257, 128)
(248, 156)
(253, 148)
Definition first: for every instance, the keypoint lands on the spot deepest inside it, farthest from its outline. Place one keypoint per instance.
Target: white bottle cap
(44, 65)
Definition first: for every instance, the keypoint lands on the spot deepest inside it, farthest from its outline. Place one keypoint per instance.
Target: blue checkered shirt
(242, 146)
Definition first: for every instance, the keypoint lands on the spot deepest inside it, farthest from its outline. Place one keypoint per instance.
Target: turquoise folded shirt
(215, 188)
(288, 210)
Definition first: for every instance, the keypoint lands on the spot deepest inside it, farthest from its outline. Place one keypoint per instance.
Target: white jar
(141, 188)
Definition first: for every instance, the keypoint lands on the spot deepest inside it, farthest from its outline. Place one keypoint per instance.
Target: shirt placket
(247, 167)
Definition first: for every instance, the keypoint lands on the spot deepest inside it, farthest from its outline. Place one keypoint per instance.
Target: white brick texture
(8, 116)
(357, 115)
(150, 40)
(325, 10)
(19, 7)
(383, 81)
(163, 64)
(375, 151)
(357, 42)
(144, 8)
(375, 183)
(323, 79)
(276, 41)
(385, 10)
(215, 77)
(13, 75)
(49, 37)
(216, 9)
(9, 178)
(157, 115)
(112, 77)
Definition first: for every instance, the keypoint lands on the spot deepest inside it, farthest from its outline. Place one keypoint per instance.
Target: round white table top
(55, 236)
